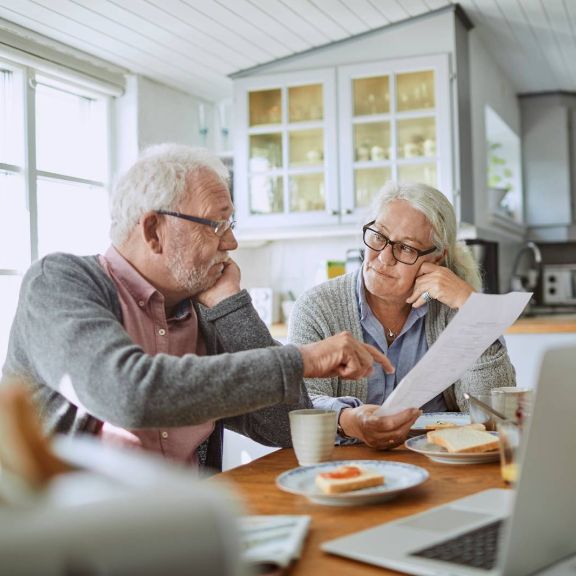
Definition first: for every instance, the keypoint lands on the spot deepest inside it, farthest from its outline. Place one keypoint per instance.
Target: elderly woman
(414, 278)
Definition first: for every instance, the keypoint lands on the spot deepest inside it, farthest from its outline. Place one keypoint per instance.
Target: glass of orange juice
(510, 435)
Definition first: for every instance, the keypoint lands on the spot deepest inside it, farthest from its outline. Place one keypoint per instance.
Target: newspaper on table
(480, 322)
(275, 539)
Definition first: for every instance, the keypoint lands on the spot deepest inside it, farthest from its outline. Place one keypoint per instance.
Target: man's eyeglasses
(402, 252)
(220, 227)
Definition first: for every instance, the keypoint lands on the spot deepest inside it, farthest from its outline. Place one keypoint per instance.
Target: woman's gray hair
(157, 181)
(440, 213)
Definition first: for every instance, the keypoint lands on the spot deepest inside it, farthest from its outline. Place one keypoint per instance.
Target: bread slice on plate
(468, 439)
(439, 425)
(346, 479)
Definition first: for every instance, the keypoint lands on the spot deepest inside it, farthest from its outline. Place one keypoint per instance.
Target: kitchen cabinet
(285, 164)
(549, 154)
(314, 147)
(394, 124)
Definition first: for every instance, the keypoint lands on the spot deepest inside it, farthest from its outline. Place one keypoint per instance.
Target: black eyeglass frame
(216, 225)
(393, 243)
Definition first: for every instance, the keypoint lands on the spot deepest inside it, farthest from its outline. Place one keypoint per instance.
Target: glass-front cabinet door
(394, 124)
(286, 158)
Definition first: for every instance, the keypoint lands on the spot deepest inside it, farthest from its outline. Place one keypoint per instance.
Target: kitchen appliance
(527, 268)
(354, 259)
(559, 284)
(485, 253)
(263, 302)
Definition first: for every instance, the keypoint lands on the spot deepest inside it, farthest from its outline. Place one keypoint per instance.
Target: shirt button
(162, 332)
(141, 303)
(164, 435)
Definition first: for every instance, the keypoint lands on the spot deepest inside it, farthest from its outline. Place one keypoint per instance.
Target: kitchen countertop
(545, 324)
(541, 324)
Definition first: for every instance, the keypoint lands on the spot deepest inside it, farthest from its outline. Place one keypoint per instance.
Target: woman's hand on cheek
(441, 284)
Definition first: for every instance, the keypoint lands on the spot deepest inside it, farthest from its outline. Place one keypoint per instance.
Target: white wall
(526, 352)
(290, 265)
(430, 35)
(151, 113)
(490, 87)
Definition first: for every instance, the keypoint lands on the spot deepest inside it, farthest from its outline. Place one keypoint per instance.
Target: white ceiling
(195, 44)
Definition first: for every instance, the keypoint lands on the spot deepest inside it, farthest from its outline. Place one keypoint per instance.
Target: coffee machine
(486, 254)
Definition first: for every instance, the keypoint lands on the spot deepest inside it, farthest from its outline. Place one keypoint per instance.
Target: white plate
(398, 477)
(431, 418)
(437, 453)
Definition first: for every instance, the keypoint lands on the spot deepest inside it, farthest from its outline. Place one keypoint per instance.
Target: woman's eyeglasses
(402, 252)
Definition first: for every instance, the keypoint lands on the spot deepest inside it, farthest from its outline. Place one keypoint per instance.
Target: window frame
(28, 170)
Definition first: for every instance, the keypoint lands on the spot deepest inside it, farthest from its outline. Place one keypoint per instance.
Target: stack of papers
(275, 539)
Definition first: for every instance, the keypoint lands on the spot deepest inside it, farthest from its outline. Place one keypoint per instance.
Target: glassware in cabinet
(307, 193)
(265, 107)
(367, 183)
(306, 103)
(415, 91)
(371, 96)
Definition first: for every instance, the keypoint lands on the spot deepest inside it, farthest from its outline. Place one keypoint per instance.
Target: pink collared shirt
(144, 318)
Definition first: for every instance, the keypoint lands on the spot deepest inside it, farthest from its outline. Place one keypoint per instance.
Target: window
(504, 168)
(54, 170)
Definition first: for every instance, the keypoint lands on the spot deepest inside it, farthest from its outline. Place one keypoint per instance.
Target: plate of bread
(470, 444)
(436, 420)
(351, 482)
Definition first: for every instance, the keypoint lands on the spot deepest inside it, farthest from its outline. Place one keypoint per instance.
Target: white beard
(192, 280)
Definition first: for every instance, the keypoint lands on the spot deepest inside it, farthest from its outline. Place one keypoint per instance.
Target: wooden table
(256, 483)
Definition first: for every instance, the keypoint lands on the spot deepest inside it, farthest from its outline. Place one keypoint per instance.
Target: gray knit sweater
(68, 331)
(332, 307)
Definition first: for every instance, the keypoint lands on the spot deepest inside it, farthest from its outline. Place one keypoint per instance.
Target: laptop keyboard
(477, 548)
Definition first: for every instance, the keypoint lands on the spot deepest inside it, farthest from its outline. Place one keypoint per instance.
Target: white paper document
(480, 322)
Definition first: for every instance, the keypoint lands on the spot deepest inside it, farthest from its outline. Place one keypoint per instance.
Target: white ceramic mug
(515, 403)
(313, 434)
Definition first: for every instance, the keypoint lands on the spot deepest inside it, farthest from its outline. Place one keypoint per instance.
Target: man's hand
(383, 432)
(341, 355)
(227, 285)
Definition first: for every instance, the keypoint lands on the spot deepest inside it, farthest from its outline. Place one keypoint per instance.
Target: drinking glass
(510, 435)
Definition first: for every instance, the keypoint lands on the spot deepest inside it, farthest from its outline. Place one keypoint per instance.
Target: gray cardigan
(68, 330)
(332, 307)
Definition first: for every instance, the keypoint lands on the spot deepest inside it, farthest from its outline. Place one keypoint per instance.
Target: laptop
(498, 531)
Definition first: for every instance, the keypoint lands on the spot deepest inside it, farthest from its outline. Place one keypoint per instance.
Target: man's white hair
(157, 181)
(440, 213)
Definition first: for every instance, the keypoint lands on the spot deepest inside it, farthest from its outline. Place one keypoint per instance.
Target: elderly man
(154, 344)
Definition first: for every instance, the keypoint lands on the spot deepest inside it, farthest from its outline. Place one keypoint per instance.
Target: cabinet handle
(335, 212)
(348, 211)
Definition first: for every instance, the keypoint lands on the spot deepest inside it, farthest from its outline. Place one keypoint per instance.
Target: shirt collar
(366, 311)
(137, 286)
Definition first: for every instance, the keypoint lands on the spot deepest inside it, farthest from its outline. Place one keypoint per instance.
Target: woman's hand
(384, 432)
(441, 284)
